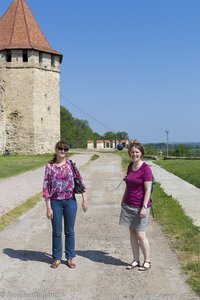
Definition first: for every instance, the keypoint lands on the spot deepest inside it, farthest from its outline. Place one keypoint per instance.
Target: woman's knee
(69, 232)
(141, 235)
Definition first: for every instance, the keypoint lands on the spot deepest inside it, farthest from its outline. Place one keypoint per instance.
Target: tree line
(76, 132)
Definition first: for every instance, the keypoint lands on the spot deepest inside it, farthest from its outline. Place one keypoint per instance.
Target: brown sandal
(56, 263)
(70, 264)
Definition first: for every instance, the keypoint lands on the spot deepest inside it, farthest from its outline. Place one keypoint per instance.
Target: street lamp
(167, 134)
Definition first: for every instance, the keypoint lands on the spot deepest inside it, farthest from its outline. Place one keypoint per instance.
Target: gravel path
(103, 251)
(16, 190)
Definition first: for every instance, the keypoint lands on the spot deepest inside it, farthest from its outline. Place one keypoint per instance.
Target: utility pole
(167, 135)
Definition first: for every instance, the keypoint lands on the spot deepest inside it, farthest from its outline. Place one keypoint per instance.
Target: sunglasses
(62, 149)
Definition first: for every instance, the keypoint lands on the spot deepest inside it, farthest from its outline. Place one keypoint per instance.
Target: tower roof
(20, 30)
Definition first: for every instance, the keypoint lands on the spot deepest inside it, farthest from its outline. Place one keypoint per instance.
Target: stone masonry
(29, 89)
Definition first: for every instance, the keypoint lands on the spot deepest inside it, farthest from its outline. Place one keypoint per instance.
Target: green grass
(15, 213)
(94, 157)
(184, 236)
(188, 170)
(125, 159)
(39, 160)
(16, 164)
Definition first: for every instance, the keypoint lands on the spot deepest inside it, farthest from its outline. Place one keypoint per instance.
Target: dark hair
(59, 144)
(136, 144)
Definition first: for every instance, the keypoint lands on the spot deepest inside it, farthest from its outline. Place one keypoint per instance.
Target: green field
(188, 170)
(16, 164)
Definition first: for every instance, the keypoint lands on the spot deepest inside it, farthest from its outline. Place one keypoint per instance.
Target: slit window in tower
(8, 56)
(25, 55)
(40, 57)
(53, 60)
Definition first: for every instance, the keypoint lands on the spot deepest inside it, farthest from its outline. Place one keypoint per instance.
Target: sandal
(133, 265)
(70, 264)
(56, 263)
(146, 266)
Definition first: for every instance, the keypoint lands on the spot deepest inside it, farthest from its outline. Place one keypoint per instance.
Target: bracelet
(144, 206)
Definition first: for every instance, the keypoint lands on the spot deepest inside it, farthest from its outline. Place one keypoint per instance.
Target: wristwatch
(145, 206)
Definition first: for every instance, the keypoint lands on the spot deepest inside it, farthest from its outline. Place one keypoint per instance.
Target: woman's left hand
(84, 203)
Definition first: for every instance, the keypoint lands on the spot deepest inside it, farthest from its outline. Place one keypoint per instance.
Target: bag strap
(129, 167)
(73, 168)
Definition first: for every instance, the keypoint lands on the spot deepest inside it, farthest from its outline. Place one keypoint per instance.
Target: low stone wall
(179, 157)
(152, 157)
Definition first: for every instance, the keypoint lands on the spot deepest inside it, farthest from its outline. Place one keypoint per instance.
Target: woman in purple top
(136, 205)
(58, 191)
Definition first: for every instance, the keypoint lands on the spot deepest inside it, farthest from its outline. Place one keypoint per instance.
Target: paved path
(16, 190)
(102, 247)
(187, 194)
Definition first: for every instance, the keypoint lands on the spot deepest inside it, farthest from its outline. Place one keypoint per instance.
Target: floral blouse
(58, 181)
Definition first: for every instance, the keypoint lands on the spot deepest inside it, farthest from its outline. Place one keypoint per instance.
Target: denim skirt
(130, 217)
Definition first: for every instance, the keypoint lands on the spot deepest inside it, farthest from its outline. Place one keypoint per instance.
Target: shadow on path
(101, 257)
(28, 255)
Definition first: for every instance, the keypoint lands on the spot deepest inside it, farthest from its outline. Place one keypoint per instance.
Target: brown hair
(58, 145)
(136, 144)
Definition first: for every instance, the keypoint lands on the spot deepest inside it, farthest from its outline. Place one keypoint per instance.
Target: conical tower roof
(20, 30)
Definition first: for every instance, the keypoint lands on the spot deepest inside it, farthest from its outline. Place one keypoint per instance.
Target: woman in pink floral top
(58, 191)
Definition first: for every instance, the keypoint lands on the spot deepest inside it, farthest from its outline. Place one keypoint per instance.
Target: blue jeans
(68, 210)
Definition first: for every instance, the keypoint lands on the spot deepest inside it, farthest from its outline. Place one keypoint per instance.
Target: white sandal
(133, 265)
(146, 266)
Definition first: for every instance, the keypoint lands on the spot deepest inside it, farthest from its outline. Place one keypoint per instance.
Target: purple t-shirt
(135, 185)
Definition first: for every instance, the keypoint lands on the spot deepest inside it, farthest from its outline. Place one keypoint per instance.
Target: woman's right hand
(49, 213)
(49, 210)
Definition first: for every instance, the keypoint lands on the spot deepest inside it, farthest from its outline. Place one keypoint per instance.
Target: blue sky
(131, 65)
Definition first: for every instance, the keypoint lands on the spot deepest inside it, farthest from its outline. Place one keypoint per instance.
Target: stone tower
(29, 84)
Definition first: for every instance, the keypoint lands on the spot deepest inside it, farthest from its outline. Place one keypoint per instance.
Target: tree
(149, 150)
(74, 131)
(109, 135)
(181, 150)
(122, 135)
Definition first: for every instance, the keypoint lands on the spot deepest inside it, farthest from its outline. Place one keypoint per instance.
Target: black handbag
(78, 186)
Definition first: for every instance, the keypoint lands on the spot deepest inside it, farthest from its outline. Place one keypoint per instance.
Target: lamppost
(167, 134)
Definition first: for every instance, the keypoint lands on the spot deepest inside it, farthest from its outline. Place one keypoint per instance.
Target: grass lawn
(188, 170)
(16, 164)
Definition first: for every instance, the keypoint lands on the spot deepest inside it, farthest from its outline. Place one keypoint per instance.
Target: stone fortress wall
(29, 101)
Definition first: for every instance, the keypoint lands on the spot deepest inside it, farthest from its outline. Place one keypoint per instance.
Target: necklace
(135, 167)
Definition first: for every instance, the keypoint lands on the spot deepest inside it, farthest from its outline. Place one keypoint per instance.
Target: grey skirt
(130, 217)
